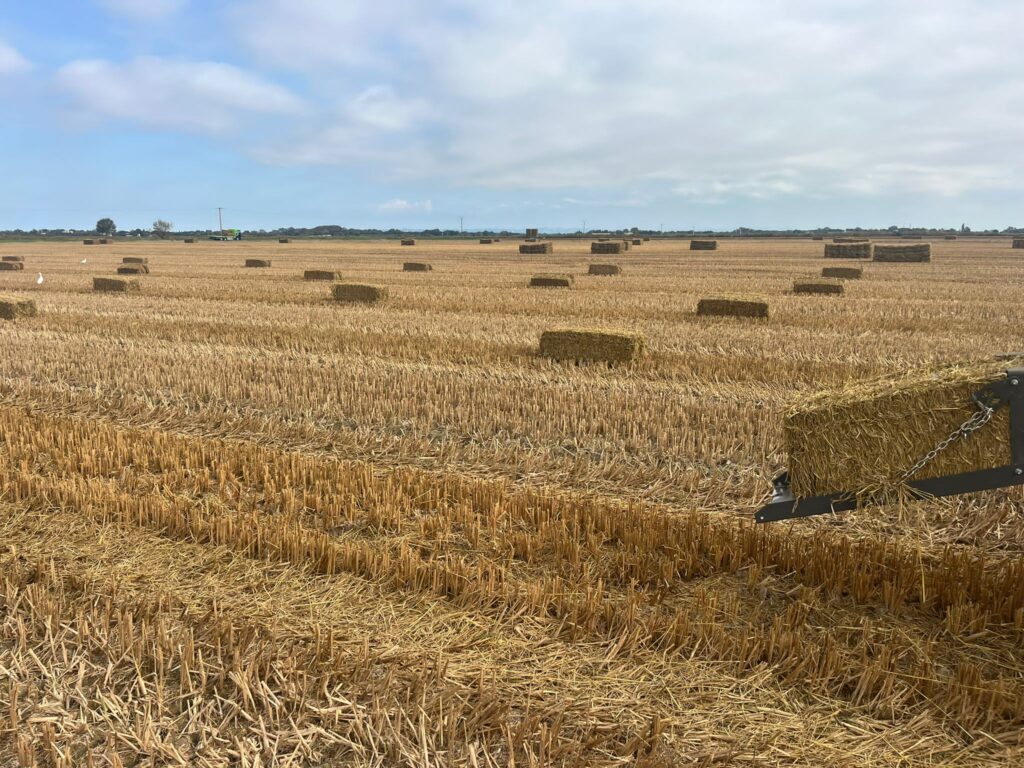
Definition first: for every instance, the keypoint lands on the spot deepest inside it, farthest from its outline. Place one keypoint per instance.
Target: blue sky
(758, 113)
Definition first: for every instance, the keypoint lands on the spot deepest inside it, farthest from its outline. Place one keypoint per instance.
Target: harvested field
(847, 250)
(732, 307)
(604, 269)
(243, 525)
(416, 266)
(843, 273)
(551, 281)
(903, 253)
(703, 245)
(321, 274)
(590, 345)
(818, 286)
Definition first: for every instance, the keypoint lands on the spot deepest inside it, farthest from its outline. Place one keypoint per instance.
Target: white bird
(39, 279)
(83, 261)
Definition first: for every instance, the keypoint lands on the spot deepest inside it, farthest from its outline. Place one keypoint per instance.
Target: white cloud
(205, 97)
(12, 62)
(144, 10)
(398, 204)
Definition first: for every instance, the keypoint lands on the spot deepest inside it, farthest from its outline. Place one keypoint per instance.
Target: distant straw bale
(843, 273)
(604, 269)
(357, 293)
(408, 242)
(190, 239)
(486, 240)
(321, 274)
(11, 308)
(133, 269)
(116, 285)
(847, 250)
(13, 258)
(88, 242)
(257, 263)
(827, 287)
(949, 237)
(590, 345)
(817, 237)
(637, 242)
(533, 233)
(11, 266)
(703, 245)
(904, 253)
(850, 240)
(536, 248)
(625, 245)
(606, 247)
(283, 240)
(647, 239)
(104, 241)
(726, 306)
(863, 437)
(551, 281)
(1018, 242)
(416, 266)
(135, 260)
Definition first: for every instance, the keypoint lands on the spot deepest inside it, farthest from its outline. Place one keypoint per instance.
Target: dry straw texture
(703, 245)
(606, 247)
(408, 242)
(591, 345)
(359, 293)
(416, 266)
(257, 263)
(903, 253)
(12, 307)
(13, 258)
(321, 274)
(818, 286)
(861, 438)
(536, 248)
(11, 266)
(843, 273)
(725, 306)
(604, 269)
(551, 281)
(116, 285)
(1018, 242)
(847, 250)
(133, 269)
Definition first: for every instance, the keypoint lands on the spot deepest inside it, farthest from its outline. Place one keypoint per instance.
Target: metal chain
(976, 422)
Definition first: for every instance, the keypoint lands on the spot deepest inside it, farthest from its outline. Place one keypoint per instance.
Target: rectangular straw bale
(321, 274)
(11, 266)
(532, 233)
(536, 248)
(604, 269)
(551, 281)
(257, 262)
(724, 306)
(904, 253)
(115, 284)
(703, 245)
(625, 245)
(408, 242)
(585, 344)
(949, 237)
(817, 286)
(283, 240)
(1018, 242)
(190, 239)
(637, 242)
(606, 247)
(355, 292)
(647, 239)
(416, 266)
(11, 308)
(486, 241)
(843, 273)
(135, 260)
(817, 237)
(863, 437)
(13, 258)
(850, 240)
(847, 250)
(104, 241)
(88, 242)
(133, 269)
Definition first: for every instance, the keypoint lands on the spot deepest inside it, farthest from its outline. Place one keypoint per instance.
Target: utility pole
(220, 222)
(460, 225)
(584, 226)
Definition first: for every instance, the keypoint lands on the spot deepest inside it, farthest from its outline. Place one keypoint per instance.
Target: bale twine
(904, 253)
(135, 260)
(321, 274)
(724, 306)
(863, 437)
(604, 269)
(116, 284)
(133, 269)
(536, 248)
(589, 345)
(551, 281)
(11, 308)
(257, 262)
(358, 293)
(11, 266)
(843, 273)
(408, 242)
(13, 258)
(88, 242)
(283, 240)
(847, 250)
(486, 240)
(606, 247)
(533, 233)
(1018, 242)
(818, 286)
(703, 245)
(416, 266)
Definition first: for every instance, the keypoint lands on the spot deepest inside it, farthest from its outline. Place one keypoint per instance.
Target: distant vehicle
(228, 234)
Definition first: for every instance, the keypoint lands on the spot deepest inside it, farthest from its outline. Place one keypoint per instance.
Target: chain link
(976, 422)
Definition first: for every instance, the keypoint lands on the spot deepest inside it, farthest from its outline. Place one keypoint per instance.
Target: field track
(243, 524)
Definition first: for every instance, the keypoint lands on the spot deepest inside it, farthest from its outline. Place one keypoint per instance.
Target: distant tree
(162, 229)
(964, 229)
(106, 227)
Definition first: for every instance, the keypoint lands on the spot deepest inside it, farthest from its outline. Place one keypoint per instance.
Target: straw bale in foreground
(551, 281)
(585, 344)
(828, 287)
(116, 285)
(904, 253)
(723, 306)
(843, 273)
(11, 308)
(356, 292)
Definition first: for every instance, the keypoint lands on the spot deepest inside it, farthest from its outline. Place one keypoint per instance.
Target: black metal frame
(1008, 391)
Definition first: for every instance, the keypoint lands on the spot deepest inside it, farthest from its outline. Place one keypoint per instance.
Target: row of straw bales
(879, 252)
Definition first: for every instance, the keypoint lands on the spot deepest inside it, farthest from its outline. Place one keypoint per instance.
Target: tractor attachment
(1005, 392)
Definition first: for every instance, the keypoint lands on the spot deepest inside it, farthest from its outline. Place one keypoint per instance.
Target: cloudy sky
(411, 113)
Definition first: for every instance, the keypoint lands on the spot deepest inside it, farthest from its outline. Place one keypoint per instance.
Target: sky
(546, 113)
